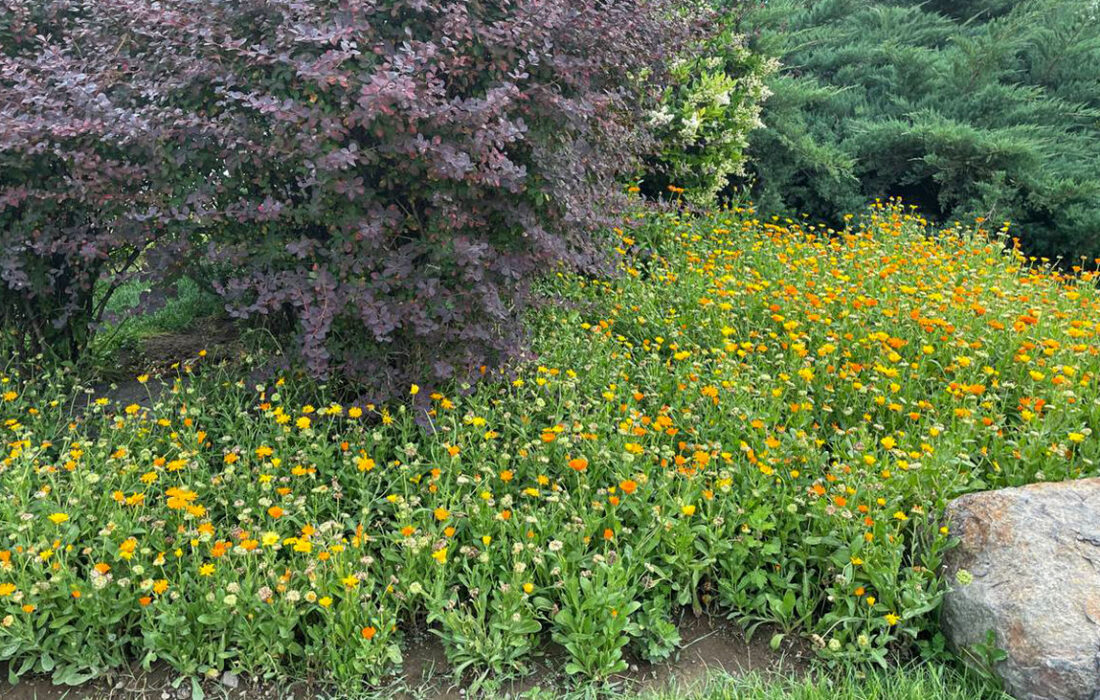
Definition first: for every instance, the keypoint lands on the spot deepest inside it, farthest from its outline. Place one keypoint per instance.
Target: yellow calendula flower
(58, 518)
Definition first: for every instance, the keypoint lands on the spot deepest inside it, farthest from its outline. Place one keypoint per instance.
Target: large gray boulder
(1028, 568)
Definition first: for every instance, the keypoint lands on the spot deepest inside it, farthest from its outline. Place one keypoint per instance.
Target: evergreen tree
(982, 108)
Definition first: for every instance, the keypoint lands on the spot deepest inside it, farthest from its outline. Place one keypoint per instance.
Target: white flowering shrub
(704, 121)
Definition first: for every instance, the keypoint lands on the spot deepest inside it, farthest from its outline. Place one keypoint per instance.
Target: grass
(936, 681)
(924, 682)
(932, 681)
(132, 326)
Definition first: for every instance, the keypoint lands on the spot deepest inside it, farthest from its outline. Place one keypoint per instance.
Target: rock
(230, 680)
(1028, 568)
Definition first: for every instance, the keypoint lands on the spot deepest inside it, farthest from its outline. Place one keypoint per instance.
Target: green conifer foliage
(979, 108)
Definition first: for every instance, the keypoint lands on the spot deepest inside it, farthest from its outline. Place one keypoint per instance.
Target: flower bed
(757, 417)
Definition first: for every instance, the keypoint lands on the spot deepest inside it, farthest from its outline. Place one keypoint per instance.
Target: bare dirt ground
(710, 646)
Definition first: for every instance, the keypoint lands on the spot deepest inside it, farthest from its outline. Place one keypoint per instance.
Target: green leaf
(196, 689)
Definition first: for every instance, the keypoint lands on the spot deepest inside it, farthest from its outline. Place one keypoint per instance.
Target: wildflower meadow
(756, 417)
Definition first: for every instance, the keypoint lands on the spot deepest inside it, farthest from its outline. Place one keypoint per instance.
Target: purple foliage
(389, 175)
(83, 169)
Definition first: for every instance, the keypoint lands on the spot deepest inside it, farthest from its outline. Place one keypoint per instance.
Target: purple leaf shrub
(80, 170)
(388, 176)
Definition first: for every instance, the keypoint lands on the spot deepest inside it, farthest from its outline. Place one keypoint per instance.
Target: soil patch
(163, 354)
(714, 645)
(710, 646)
(216, 335)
